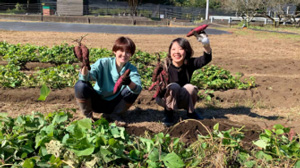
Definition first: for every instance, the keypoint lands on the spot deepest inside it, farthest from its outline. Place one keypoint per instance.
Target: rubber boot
(195, 116)
(121, 107)
(119, 111)
(168, 118)
(85, 106)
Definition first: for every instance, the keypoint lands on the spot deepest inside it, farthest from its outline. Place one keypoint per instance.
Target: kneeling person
(101, 98)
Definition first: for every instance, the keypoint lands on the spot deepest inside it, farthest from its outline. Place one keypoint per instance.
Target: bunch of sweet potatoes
(160, 79)
(81, 52)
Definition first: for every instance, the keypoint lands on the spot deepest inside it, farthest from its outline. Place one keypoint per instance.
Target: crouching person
(102, 98)
(179, 67)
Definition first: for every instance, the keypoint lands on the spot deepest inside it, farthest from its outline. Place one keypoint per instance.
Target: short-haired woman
(105, 72)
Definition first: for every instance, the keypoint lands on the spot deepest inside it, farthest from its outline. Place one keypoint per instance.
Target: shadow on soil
(222, 112)
(188, 129)
(150, 115)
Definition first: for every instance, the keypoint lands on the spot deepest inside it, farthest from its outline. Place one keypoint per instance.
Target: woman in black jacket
(179, 93)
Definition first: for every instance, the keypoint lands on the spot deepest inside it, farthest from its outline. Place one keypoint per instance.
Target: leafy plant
(10, 76)
(55, 140)
(57, 77)
(209, 78)
(275, 143)
(216, 78)
(44, 93)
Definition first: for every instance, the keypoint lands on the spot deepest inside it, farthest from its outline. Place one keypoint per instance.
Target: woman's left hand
(126, 80)
(203, 38)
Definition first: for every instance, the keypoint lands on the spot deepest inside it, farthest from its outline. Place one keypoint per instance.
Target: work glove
(202, 37)
(123, 80)
(126, 80)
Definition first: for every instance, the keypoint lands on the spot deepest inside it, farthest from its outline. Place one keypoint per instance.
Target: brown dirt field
(272, 58)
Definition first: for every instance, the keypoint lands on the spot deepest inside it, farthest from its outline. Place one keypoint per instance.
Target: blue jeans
(85, 90)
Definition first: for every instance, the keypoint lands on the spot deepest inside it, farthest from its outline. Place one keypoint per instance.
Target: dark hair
(185, 44)
(124, 44)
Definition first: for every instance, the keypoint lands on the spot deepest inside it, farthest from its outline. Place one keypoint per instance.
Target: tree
(248, 9)
(279, 9)
(196, 3)
(133, 4)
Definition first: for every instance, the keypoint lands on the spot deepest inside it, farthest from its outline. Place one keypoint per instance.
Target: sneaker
(195, 116)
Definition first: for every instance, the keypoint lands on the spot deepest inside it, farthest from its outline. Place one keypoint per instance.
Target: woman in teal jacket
(105, 72)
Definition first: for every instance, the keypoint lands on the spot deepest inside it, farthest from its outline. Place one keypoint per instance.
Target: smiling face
(123, 49)
(180, 51)
(122, 57)
(177, 54)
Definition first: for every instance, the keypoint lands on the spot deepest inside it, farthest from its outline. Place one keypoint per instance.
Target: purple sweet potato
(160, 84)
(85, 55)
(82, 53)
(78, 53)
(118, 84)
(197, 29)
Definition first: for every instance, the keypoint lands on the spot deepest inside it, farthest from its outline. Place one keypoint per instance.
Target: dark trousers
(84, 90)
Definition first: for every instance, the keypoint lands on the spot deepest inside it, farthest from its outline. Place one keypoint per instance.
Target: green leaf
(263, 155)
(44, 92)
(243, 156)
(268, 132)
(30, 162)
(107, 155)
(173, 160)
(149, 144)
(216, 127)
(278, 126)
(297, 165)
(115, 132)
(85, 124)
(154, 155)
(60, 118)
(134, 154)
(112, 142)
(85, 152)
(250, 163)
(279, 131)
(261, 143)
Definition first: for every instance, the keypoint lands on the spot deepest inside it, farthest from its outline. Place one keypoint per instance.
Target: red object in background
(197, 29)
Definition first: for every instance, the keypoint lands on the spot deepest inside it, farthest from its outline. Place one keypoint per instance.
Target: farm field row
(270, 58)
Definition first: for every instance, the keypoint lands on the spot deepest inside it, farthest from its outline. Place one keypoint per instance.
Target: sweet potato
(78, 53)
(82, 53)
(118, 84)
(158, 68)
(160, 83)
(197, 29)
(156, 72)
(85, 55)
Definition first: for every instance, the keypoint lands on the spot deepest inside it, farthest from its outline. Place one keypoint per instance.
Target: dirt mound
(188, 130)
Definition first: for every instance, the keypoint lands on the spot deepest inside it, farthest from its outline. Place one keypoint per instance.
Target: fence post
(266, 21)
(211, 19)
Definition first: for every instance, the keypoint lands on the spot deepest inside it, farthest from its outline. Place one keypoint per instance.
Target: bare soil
(272, 58)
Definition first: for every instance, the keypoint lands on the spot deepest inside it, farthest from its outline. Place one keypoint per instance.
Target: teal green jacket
(104, 72)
